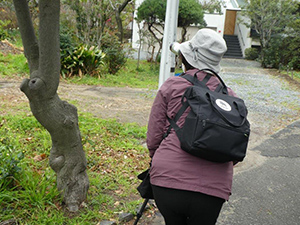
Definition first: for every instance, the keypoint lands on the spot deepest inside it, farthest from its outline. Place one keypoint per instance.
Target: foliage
(251, 53)
(153, 12)
(190, 12)
(81, 60)
(10, 159)
(283, 50)
(115, 156)
(7, 15)
(95, 18)
(273, 54)
(212, 6)
(90, 24)
(268, 18)
(3, 31)
(128, 76)
(145, 77)
(115, 57)
(291, 45)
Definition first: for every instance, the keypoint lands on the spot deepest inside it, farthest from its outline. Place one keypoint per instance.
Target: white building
(227, 24)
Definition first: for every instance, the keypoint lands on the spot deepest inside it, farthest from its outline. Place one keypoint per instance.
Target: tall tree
(153, 12)
(269, 17)
(60, 118)
(190, 12)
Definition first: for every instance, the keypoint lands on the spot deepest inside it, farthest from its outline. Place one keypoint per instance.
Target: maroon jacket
(171, 166)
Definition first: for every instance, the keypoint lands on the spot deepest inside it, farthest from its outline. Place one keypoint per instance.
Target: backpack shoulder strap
(222, 86)
(194, 80)
(176, 118)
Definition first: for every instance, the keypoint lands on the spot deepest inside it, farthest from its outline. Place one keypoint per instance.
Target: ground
(269, 109)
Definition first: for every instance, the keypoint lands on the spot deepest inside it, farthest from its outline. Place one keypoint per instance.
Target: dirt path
(127, 105)
(273, 101)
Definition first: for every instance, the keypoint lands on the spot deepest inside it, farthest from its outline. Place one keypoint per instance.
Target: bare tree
(60, 118)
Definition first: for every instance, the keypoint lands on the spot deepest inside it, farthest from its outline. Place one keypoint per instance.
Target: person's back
(187, 189)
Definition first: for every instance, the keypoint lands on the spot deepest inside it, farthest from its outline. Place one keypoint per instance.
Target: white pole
(167, 61)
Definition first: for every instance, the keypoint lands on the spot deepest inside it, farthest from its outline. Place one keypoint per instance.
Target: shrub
(81, 60)
(115, 57)
(9, 169)
(273, 53)
(251, 53)
(290, 52)
(3, 30)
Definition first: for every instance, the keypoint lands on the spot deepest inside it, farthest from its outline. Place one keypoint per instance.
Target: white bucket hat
(205, 50)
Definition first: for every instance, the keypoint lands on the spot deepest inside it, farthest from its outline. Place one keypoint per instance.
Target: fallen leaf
(39, 158)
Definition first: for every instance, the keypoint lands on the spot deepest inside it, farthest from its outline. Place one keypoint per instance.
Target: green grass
(13, 65)
(114, 152)
(115, 156)
(129, 76)
(296, 75)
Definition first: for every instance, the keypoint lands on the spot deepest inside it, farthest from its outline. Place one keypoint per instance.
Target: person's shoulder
(173, 85)
(174, 81)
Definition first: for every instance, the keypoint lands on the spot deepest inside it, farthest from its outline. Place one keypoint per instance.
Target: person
(187, 189)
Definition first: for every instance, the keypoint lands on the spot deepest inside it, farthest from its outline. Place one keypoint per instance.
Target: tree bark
(183, 34)
(60, 118)
(119, 20)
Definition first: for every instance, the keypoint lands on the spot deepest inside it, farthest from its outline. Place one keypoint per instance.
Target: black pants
(180, 207)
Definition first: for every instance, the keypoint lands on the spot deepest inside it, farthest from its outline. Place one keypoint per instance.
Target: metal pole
(140, 213)
(167, 61)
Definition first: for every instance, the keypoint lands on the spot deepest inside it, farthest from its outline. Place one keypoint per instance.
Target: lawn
(115, 154)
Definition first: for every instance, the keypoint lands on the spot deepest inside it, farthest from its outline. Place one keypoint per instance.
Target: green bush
(81, 60)
(273, 53)
(251, 53)
(290, 52)
(9, 164)
(115, 57)
(4, 34)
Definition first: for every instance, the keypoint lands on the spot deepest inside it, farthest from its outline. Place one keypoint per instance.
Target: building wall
(243, 33)
(215, 22)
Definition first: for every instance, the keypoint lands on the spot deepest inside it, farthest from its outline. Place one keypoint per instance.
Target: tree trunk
(119, 20)
(120, 25)
(60, 118)
(183, 34)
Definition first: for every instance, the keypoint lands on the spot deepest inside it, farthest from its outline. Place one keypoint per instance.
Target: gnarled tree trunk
(60, 118)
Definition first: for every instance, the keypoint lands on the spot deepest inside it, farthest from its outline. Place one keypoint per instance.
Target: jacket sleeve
(157, 123)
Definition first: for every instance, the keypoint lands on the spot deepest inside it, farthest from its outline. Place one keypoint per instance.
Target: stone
(9, 222)
(125, 217)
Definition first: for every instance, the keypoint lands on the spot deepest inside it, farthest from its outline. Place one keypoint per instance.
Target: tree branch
(31, 48)
(124, 4)
(49, 43)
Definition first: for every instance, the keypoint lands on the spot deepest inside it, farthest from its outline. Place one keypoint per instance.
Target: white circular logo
(223, 105)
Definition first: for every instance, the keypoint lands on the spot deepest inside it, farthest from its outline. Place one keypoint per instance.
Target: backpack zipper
(204, 122)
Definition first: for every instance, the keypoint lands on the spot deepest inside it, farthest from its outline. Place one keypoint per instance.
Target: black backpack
(216, 128)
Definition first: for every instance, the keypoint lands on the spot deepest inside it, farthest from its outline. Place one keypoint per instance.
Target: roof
(241, 2)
